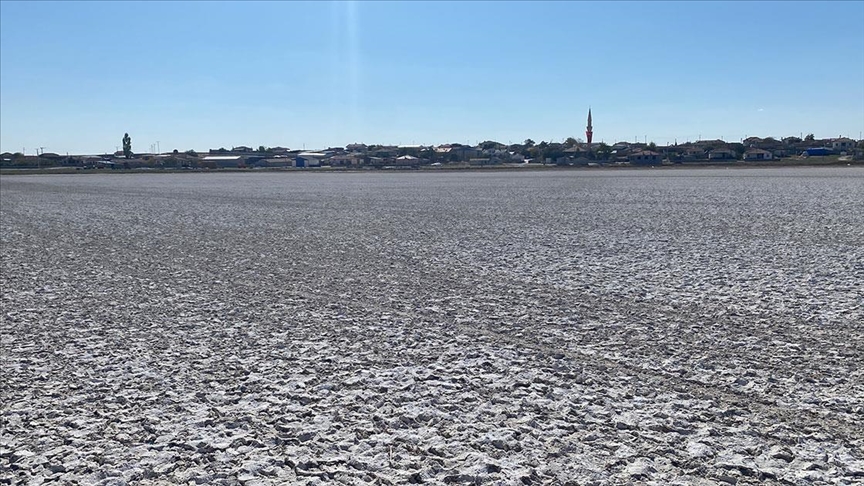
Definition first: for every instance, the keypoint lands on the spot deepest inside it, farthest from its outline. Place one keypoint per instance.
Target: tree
(570, 142)
(191, 152)
(262, 148)
(175, 152)
(127, 146)
(809, 138)
(428, 153)
(604, 151)
(528, 143)
(652, 146)
(490, 144)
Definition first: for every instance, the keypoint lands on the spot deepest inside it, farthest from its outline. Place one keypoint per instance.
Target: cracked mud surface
(584, 327)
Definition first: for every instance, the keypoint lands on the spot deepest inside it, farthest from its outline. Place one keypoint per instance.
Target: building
(277, 162)
(758, 154)
(410, 150)
(347, 160)
(456, 153)
(308, 159)
(817, 151)
(645, 157)
(223, 161)
(722, 154)
(407, 160)
(589, 130)
(692, 153)
(842, 144)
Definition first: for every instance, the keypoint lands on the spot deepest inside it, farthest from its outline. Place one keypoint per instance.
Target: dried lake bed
(699, 326)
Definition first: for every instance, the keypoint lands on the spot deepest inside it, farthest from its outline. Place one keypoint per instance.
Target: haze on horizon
(74, 76)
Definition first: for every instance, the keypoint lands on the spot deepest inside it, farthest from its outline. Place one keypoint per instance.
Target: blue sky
(75, 76)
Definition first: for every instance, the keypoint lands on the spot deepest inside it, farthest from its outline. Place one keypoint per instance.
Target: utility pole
(158, 151)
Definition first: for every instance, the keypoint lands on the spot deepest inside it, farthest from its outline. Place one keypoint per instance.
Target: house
(308, 159)
(710, 143)
(356, 147)
(758, 154)
(279, 150)
(645, 157)
(347, 160)
(384, 151)
(242, 149)
(223, 161)
(693, 153)
(376, 161)
(49, 158)
(456, 152)
(722, 154)
(410, 149)
(576, 151)
(276, 162)
(254, 161)
(407, 160)
(842, 144)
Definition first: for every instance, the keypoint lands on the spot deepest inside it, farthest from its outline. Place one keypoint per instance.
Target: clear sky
(75, 76)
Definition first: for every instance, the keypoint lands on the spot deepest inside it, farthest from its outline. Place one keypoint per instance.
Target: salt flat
(568, 327)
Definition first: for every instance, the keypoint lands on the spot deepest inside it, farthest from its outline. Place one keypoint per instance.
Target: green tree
(262, 148)
(604, 151)
(428, 153)
(127, 146)
(652, 146)
(490, 144)
(809, 138)
(528, 143)
(570, 142)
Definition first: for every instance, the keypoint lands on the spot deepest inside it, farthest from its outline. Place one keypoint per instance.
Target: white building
(842, 144)
(309, 159)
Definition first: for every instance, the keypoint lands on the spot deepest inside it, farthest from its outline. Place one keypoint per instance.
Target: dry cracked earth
(576, 327)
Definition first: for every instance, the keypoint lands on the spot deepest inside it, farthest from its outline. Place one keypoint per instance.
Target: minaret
(589, 130)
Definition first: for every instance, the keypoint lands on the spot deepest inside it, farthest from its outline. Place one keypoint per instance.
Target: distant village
(572, 152)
